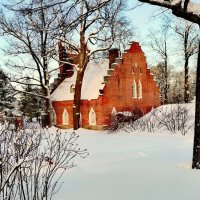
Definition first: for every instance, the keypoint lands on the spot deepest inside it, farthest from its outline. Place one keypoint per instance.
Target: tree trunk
(47, 94)
(196, 147)
(186, 86)
(166, 86)
(49, 112)
(166, 76)
(77, 100)
(186, 83)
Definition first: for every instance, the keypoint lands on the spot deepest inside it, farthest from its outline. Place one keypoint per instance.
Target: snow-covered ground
(133, 166)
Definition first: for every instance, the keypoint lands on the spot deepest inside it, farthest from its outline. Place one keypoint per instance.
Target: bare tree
(185, 9)
(160, 75)
(100, 25)
(188, 36)
(176, 83)
(188, 10)
(159, 42)
(32, 162)
(30, 28)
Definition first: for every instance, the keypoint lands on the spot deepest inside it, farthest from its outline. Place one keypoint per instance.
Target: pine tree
(6, 93)
(31, 105)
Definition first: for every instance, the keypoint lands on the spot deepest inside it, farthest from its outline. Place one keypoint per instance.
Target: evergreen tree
(31, 105)
(6, 93)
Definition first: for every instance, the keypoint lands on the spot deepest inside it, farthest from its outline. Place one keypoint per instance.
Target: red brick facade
(128, 85)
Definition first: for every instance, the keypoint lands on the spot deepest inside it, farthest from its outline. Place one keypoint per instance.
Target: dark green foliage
(6, 93)
(31, 105)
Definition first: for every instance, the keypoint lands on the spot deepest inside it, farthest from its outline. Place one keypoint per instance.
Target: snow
(133, 166)
(137, 165)
(92, 82)
(193, 5)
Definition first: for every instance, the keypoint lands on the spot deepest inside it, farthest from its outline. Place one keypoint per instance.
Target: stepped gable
(134, 47)
(94, 79)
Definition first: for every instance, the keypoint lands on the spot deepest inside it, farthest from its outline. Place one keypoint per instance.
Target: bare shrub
(32, 161)
(174, 118)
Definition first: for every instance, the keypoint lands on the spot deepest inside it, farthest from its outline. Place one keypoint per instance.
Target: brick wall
(117, 91)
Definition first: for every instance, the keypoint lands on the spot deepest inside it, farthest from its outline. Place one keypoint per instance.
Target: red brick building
(117, 84)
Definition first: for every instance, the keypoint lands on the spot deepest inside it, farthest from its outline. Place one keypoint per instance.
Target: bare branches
(173, 118)
(178, 9)
(159, 44)
(33, 161)
(32, 27)
(96, 31)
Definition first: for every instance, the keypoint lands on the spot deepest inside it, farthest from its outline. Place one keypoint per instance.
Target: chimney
(112, 54)
(62, 52)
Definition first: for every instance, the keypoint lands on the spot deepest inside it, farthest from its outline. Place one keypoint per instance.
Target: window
(132, 70)
(72, 88)
(139, 89)
(119, 85)
(140, 71)
(92, 117)
(80, 120)
(65, 117)
(136, 65)
(114, 111)
(134, 89)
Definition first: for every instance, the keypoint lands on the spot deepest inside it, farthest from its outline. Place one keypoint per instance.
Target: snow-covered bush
(173, 117)
(32, 161)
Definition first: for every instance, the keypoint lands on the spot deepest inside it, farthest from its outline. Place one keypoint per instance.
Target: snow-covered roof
(92, 82)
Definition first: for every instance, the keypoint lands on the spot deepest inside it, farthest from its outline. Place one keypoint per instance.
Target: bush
(174, 118)
(32, 161)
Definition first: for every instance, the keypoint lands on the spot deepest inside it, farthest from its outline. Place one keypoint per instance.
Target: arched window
(119, 85)
(92, 117)
(140, 71)
(72, 88)
(136, 64)
(139, 89)
(132, 70)
(65, 117)
(80, 120)
(114, 111)
(134, 89)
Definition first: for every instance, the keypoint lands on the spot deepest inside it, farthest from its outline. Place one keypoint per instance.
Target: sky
(146, 17)
(143, 17)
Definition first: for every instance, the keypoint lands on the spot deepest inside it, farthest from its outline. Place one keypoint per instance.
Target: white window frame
(134, 89)
(65, 117)
(139, 90)
(136, 64)
(132, 70)
(92, 117)
(114, 111)
(80, 119)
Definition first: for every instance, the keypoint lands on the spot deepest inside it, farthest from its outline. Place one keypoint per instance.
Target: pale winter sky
(141, 17)
(144, 18)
